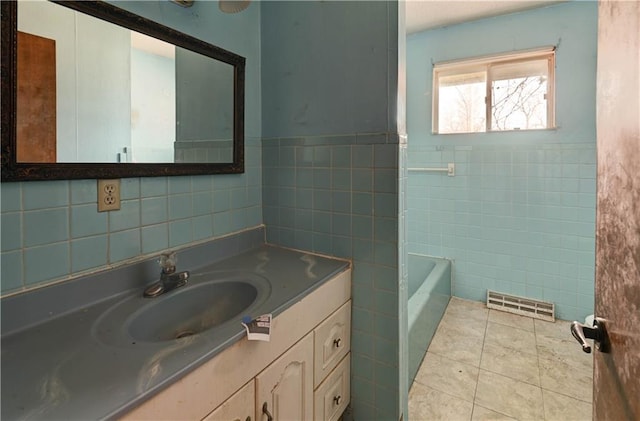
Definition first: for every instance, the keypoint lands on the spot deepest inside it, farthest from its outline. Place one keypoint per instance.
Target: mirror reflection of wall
(204, 117)
(153, 99)
(117, 95)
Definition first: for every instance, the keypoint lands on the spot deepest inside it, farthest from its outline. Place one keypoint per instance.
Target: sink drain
(184, 334)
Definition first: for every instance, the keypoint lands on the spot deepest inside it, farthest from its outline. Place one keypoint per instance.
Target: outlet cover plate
(108, 195)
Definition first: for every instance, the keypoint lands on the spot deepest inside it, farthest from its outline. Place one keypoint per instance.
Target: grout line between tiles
(446, 393)
(451, 360)
(535, 334)
(475, 391)
(565, 395)
(528, 332)
(473, 408)
(492, 410)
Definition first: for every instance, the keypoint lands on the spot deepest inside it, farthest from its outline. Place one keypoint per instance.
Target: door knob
(598, 333)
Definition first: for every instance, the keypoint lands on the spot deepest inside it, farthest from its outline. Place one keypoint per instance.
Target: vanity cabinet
(239, 407)
(302, 373)
(285, 388)
(310, 381)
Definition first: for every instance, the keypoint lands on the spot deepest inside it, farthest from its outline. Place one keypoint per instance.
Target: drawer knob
(337, 399)
(336, 342)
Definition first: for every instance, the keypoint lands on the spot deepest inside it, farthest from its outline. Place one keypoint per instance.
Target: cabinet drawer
(238, 407)
(332, 341)
(333, 395)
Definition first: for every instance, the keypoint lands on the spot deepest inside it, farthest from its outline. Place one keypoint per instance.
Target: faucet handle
(168, 262)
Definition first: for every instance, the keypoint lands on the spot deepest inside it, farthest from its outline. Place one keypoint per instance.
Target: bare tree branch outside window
(519, 104)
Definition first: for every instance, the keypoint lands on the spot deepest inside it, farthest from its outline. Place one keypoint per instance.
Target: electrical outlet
(108, 195)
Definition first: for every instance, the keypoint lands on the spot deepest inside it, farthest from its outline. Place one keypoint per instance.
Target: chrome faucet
(169, 278)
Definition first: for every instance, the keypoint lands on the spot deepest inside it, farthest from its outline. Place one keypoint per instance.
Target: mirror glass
(137, 94)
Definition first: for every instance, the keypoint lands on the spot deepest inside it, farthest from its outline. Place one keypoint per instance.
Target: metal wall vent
(520, 305)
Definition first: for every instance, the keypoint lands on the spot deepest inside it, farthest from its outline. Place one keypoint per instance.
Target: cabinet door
(239, 407)
(286, 386)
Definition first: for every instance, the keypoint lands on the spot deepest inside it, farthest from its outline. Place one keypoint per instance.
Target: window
(509, 92)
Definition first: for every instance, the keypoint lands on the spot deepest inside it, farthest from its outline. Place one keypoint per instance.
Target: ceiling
(428, 14)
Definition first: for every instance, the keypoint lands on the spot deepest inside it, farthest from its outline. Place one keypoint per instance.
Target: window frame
(484, 63)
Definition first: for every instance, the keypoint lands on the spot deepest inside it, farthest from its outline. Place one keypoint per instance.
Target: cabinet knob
(265, 411)
(336, 342)
(337, 399)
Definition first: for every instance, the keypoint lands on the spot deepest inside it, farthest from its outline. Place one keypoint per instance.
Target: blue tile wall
(519, 216)
(87, 253)
(311, 202)
(44, 263)
(526, 232)
(52, 230)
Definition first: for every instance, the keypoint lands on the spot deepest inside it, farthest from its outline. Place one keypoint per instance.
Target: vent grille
(520, 305)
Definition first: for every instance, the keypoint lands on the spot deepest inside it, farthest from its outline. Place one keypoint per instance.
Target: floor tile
(511, 363)
(569, 379)
(483, 414)
(511, 337)
(509, 319)
(467, 317)
(507, 396)
(456, 343)
(468, 327)
(452, 377)
(565, 350)
(558, 407)
(514, 355)
(427, 404)
(467, 310)
(557, 329)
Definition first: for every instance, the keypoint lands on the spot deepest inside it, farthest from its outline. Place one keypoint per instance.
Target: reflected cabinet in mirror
(90, 90)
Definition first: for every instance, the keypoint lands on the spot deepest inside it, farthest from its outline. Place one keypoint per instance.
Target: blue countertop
(62, 368)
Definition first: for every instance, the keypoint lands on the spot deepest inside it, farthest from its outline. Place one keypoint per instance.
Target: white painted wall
(153, 107)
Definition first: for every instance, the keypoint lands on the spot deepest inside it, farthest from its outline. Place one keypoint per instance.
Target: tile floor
(490, 365)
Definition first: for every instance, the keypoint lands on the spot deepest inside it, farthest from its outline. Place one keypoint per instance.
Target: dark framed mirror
(90, 90)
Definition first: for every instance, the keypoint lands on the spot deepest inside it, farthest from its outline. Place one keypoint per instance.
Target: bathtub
(429, 291)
